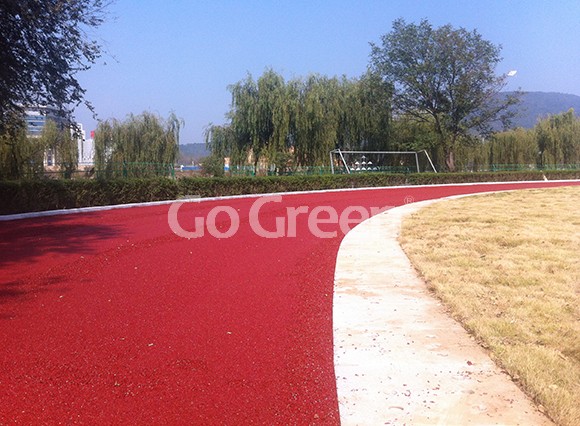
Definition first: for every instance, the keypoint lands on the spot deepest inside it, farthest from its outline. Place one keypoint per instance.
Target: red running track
(109, 318)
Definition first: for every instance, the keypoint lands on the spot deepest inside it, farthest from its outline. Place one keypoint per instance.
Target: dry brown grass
(508, 267)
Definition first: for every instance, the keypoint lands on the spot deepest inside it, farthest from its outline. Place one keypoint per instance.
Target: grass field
(508, 267)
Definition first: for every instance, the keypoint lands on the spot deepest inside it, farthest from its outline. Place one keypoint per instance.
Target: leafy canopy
(443, 76)
(297, 122)
(43, 44)
(148, 140)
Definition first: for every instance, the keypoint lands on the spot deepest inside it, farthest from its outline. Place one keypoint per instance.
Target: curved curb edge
(399, 358)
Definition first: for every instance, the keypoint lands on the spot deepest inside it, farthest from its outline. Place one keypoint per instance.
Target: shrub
(40, 195)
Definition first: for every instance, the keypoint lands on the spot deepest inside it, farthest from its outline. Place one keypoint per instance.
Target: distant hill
(192, 152)
(536, 105)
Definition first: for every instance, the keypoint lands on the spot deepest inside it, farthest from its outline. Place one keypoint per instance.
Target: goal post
(347, 162)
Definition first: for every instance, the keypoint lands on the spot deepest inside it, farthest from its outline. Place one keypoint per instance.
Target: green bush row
(41, 195)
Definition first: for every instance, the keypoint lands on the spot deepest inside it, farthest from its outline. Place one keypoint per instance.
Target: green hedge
(41, 195)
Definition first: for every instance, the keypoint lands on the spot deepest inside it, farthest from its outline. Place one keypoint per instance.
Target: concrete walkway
(399, 358)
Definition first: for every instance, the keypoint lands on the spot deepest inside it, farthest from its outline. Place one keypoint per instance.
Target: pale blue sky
(180, 55)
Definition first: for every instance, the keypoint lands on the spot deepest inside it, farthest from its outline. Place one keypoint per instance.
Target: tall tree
(515, 147)
(317, 119)
(296, 123)
(43, 44)
(446, 77)
(142, 145)
(259, 115)
(221, 142)
(20, 157)
(558, 138)
(63, 145)
(375, 113)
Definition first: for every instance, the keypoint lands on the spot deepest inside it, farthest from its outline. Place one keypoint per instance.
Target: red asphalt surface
(110, 318)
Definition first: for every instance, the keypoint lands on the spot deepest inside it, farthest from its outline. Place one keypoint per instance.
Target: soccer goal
(346, 162)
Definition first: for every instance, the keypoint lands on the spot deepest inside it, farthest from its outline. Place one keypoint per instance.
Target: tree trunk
(15, 164)
(450, 160)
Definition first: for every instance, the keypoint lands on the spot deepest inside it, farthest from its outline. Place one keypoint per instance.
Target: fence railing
(135, 170)
(145, 170)
(297, 171)
(517, 167)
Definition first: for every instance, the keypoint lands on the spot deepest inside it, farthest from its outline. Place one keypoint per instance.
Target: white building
(86, 148)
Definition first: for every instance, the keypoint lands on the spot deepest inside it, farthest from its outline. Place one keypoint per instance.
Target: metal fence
(517, 167)
(135, 170)
(147, 170)
(295, 171)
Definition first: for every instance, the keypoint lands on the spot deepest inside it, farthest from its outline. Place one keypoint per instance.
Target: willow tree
(221, 142)
(372, 110)
(360, 108)
(515, 147)
(62, 144)
(142, 145)
(444, 77)
(20, 156)
(558, 139)
(297, 123)
(260, 116)
(317, 119)
(349, 121)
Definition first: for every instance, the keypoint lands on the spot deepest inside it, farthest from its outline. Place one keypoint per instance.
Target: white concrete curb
(399, 358)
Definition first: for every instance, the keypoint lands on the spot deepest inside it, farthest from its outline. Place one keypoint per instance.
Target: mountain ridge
(538, 105)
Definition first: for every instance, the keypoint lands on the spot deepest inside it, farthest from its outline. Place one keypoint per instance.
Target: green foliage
(63, 146)
(296, 123)
(20, 156)
(443, 77)
(145, 139)
(558, 139)
(369, 113)
(514, 147)
(43, 44)
(213, 166)
(41, 195)
(49, 194)
(409, 134)
(553, 143)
